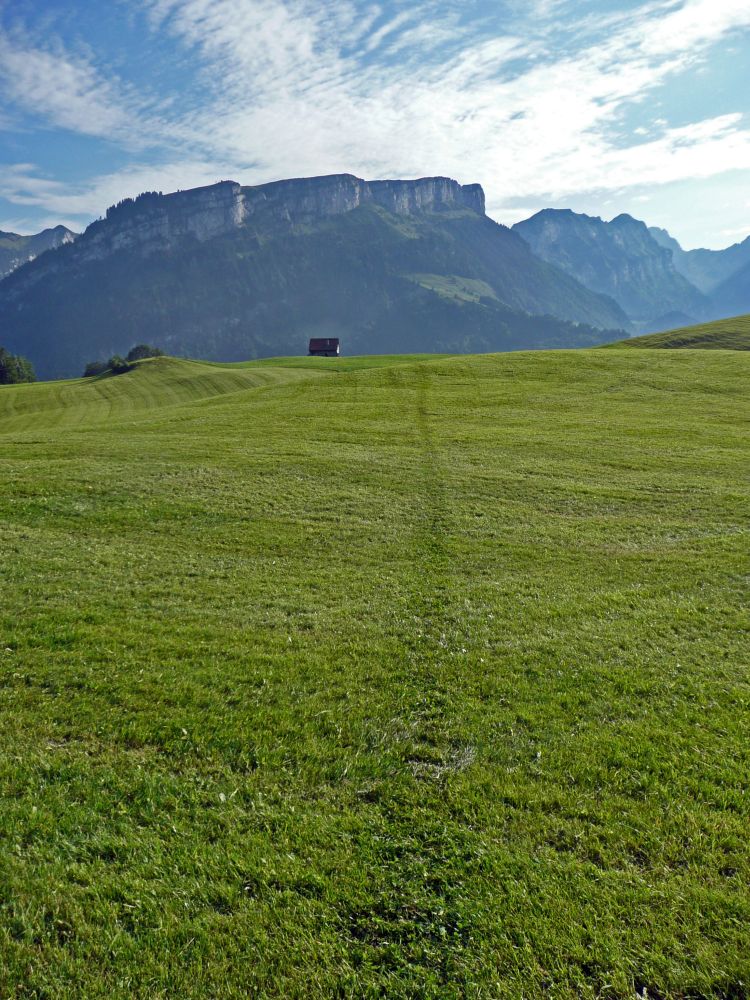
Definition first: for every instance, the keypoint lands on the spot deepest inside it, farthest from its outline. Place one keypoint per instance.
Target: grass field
(356, 679)
(720, 335)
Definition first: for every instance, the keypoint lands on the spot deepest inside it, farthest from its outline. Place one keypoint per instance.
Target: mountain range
(706, 269)
(645, 270)
(16, 250)
(230, 272)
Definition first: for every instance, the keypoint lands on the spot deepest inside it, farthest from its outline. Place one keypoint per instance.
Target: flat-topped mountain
(16, 249)
(155, 221)
(620, 258)
(228, 272)
(315, 197)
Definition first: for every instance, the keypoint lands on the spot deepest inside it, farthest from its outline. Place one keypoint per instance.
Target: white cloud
(377, 37)
(531, 109)
(68, 91)
(507, 111)
(696, 23)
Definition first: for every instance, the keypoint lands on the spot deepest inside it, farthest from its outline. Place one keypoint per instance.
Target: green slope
(160, 382)
(155, 383)
(419, 680)
(722, 334)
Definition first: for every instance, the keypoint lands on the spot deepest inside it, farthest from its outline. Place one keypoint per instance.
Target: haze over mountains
(645, 270)
(724, 275)
(228, 272)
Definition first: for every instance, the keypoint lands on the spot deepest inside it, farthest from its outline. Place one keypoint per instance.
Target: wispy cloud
(376, 39)
(504, 109)
(69, 91)
(60, 89)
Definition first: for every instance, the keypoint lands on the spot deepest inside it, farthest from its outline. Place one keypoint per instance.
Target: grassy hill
(393, 677)
(722, 334)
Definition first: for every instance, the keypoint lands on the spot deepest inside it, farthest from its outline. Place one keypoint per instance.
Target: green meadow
(731, 334)
(395, 677)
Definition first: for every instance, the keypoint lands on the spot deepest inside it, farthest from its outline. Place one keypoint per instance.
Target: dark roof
(323, 343)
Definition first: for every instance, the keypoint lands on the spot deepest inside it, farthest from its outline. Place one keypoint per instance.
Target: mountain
(621, 259)
(229, 272)
(732, 296)
(16, 250)
(721, 335)
(706, 269)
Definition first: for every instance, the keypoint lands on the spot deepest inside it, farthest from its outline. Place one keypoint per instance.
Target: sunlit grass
(731, 334)
(419, 680)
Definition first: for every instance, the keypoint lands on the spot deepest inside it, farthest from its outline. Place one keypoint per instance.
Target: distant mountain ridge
(724, 275)
(228, 272)
(706, 269)
(732, 296)
(644, 269)
(621, 259)
(16, 249)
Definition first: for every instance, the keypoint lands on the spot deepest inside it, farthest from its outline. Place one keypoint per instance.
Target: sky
(602, 106)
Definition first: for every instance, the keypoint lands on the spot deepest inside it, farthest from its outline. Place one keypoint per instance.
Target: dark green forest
(15, 369)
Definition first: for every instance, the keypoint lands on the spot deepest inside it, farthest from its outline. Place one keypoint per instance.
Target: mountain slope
(618, 258)
(229, 273)
(16, 250)
(733, 294)
(706, 269)
(723, 334)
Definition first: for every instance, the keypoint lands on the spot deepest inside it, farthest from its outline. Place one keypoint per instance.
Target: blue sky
(603, 106)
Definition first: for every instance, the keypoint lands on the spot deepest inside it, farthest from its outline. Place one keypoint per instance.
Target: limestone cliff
(157, 223)
(311, 198)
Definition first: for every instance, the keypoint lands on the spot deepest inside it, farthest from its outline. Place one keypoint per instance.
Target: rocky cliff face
(313, 198)
(155, 223)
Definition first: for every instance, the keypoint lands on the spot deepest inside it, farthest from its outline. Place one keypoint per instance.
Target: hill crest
(721, 335)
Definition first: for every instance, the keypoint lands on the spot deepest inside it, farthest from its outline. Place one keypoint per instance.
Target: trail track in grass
(386, 677)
